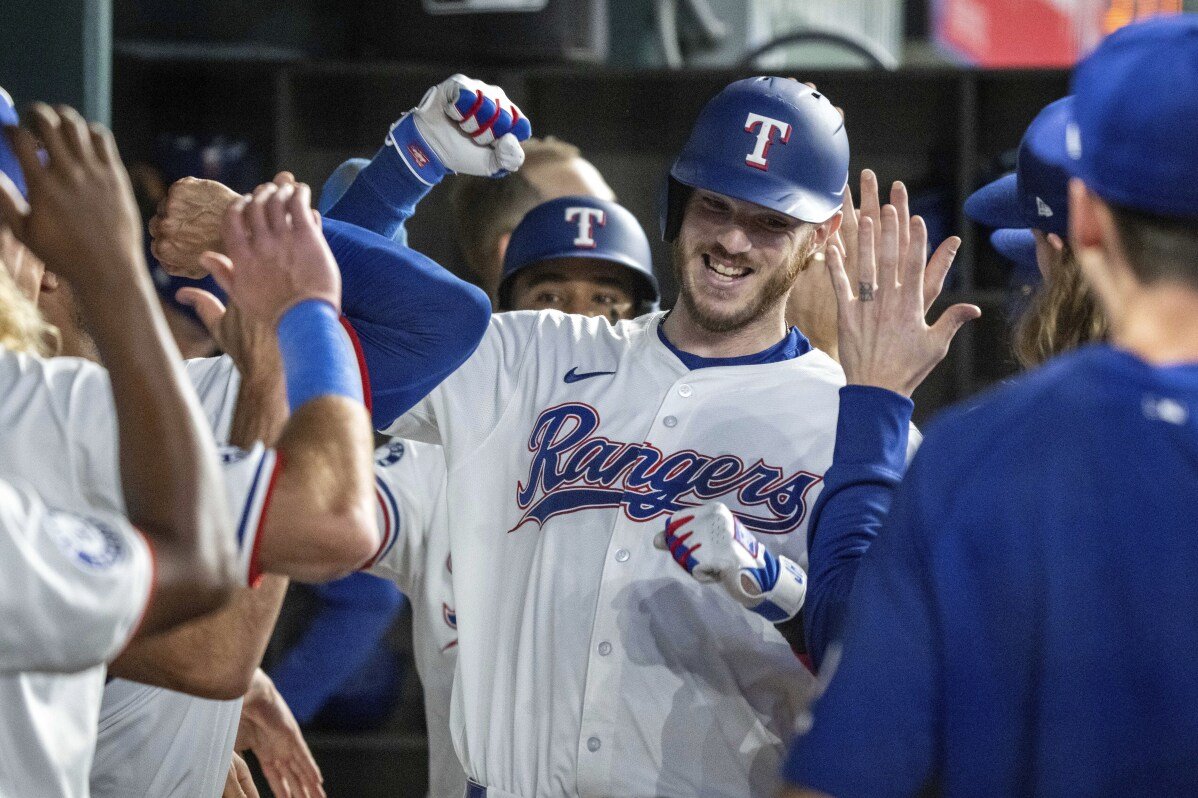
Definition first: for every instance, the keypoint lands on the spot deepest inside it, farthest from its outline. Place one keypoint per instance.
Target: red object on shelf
(1035, 33)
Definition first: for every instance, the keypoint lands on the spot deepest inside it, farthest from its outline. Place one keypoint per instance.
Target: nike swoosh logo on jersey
(573, 376)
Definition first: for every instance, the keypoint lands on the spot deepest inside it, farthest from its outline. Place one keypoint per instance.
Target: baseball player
(986, 648)
(582, 651)
(1063, 313)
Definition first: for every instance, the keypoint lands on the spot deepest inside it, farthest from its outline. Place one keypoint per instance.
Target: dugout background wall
(943, 131)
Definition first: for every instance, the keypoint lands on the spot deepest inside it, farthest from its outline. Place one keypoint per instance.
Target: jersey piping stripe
(255, 569)
(390, 508)
(365, 375)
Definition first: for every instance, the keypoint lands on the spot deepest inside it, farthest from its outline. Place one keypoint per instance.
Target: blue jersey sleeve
(881, 704)
(382, 197)
(415, 322)
(354, 614)
(867, 465)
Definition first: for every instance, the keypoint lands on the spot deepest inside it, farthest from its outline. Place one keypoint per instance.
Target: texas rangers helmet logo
(586, 219)
(766, 130)
(573, 469)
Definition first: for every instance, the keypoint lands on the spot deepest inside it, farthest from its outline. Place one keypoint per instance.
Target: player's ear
(825, 231)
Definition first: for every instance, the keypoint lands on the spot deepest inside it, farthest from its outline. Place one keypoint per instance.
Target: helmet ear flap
(673, 202)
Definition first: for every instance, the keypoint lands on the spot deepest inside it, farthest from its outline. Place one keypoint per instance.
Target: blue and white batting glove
(712, 546)
(462, 125)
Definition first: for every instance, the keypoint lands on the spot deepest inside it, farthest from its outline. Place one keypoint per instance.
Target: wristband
(318, 360)
(416, 153)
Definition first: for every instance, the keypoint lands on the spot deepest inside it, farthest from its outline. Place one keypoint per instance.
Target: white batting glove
(461, 125)
(712, 546)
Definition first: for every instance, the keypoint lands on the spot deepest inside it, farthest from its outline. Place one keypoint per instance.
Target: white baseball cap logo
(766, 135)
(586, 219)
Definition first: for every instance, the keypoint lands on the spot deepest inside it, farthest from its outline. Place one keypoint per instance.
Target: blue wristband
(415, 152)
(318, 359)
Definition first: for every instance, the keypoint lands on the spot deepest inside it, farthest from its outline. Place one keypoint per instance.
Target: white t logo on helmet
(586, 218)
(765, 138)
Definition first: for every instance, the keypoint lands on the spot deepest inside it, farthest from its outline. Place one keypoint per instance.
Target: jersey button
(593, 744)
(604, 648)
(669, 421)
(685, 390)
(622, 555)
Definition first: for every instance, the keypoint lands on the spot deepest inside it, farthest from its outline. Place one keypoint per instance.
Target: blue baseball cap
(1133, 136)
(338, 183)
(1036, 194)
(9, 164)
(1019, 247)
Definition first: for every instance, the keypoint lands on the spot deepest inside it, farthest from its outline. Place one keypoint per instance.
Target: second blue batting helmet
(771, 141)
(580, 227)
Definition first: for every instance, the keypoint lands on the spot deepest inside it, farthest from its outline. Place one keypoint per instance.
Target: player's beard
(772, 291)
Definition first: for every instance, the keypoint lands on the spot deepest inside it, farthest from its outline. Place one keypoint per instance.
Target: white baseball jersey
(415, 555)
(157, 742)
(75, 586)
(58, 433)
(589, 663)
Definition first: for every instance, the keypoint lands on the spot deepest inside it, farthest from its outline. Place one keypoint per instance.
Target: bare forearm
(321, 522)
(214, 656)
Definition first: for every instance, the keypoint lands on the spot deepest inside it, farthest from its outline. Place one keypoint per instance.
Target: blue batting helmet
(580, 227)
(771, 141)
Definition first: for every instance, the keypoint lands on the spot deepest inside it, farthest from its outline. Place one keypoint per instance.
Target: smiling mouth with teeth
(724, 270)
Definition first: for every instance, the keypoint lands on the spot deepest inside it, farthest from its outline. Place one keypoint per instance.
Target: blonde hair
(22, 328)
(1063, 315)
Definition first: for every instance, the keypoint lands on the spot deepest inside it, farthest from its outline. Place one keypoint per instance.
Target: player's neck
(1159, 324)
(757, 336)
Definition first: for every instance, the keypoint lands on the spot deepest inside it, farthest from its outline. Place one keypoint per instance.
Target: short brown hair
(486, 209)
(1064, 314)
(1158, 247)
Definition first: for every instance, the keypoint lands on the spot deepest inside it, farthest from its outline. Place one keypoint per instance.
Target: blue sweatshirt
(1024, 623)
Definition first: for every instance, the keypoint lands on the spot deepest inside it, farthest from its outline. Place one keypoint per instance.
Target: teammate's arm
(319, 521)
(216, 656)
(82, 221)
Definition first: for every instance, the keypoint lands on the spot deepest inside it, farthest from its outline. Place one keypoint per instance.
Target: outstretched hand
(275, 255)
(884, 286)
(269, 730)
(81, 218)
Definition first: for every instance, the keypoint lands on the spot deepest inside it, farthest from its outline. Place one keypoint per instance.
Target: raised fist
(188, 223)
(712, 546)
(461, 125)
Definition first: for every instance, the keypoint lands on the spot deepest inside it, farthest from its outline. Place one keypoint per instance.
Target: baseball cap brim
(996, 204)
(1019, 247)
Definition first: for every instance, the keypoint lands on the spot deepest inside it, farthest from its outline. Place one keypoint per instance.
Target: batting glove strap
(420, 158)
(783, 594)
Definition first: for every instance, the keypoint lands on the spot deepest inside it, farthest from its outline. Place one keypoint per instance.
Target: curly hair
(1063, 315)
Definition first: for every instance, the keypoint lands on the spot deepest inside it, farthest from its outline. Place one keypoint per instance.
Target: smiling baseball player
(582, 650)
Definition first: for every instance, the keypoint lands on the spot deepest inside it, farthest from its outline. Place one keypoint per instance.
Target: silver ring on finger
(865, 291)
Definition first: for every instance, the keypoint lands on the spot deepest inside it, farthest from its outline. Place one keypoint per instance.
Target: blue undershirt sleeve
(415, 322)
(867, 466)
(383, 196)
(354, 614)
(874, 731)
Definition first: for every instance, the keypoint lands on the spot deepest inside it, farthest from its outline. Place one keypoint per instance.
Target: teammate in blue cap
(579, 255)
(1063, 313)
(1024, 623)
